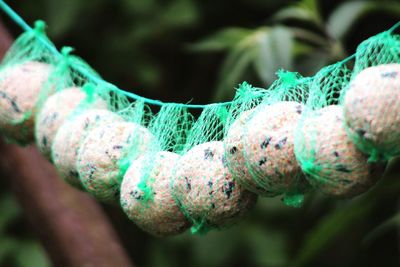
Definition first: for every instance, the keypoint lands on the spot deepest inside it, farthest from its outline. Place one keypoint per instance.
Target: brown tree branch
(71, 225)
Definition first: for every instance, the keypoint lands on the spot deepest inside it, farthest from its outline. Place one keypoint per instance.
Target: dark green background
(199, 50)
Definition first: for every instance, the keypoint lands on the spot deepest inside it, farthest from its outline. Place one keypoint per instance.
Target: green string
(21, 22)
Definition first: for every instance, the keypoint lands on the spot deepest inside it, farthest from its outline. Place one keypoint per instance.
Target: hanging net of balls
(170, 170)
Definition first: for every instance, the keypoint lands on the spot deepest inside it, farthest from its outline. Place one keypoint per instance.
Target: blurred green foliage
(16, 248)
(177, 50)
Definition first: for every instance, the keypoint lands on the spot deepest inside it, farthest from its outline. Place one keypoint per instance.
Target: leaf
(329, 228)
(232, 71)
(311, 5)
(309, 36)
(31, 254)
(306, 10)
(268, 49)
(275, 51)
(387, 225)
(294, 12)
(222, 40)
(9, 211)
(342, 19)
(7, 246)
(139, 7)
(180, 13)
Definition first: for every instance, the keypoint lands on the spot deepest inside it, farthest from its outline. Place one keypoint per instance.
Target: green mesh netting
(332, 162)
(170, 170)
(24, 72)
(371, 104)
(259, 143)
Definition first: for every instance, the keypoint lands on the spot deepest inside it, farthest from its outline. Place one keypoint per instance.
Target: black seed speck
(262, 161)
(12, 102)
(228, 189)
(391, 74)
(265, 143)
(299, 109)
(212, 205)
(211, 192)
(224, 162)
(360, 132)
(86, 125)
(342, 168)
(74, 174)
(188, 185)
(233, 150)
(44, 141)
(336, 154)
(136, 195)
(15, 106)
(281, 143)
(92, 169)
(345, 181)
(208, 154)
(117, 147)
(210, 184)
(54, 116)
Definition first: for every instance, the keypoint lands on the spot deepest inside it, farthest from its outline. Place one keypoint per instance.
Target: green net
(332, 162)
(24, 71)
(171, 170)
(259, 143)
(371, 104)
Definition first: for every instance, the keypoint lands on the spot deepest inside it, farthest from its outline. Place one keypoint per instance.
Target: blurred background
(198, 51)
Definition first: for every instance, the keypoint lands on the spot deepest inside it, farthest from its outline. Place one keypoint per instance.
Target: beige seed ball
(206, 190)
(268, 147)
(160, 215)
(70, 136)
(233, 149)
(333, 163)
(101, 152)
(20, 87)
(372, 110)
(54, 112)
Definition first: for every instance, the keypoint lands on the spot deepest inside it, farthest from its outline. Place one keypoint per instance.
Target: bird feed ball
(261, 146)
(372, 110)
(268, 147)
(146, 195)
(206, 190)
(20, 87)
(333, 163)
(54, 112)
(70, 136)
(233, 150)
(100, 155)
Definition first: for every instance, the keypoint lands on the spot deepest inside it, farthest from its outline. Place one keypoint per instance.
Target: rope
(24, 25)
